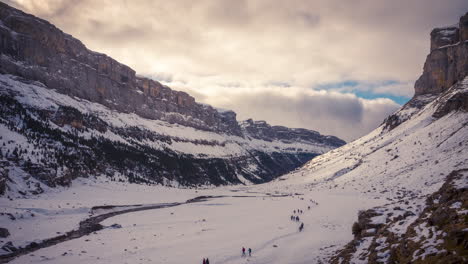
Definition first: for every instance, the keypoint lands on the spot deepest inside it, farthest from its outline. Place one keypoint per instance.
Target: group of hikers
(243, 252)
(293, 218)
(296, 218)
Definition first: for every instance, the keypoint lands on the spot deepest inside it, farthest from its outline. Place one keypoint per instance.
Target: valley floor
(254, 217)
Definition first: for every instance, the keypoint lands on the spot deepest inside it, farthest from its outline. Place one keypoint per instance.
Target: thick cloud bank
(241, 48)
(332, 113)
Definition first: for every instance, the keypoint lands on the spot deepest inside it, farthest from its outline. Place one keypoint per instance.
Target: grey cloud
(207, 43)
(245, 39)
(345, 116)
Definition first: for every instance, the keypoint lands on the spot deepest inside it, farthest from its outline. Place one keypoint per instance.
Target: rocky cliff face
(447, 62)
(35, 49)
(69, 112)
(446, 65)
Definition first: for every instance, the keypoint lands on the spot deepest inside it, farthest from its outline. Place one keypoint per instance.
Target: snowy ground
(217, 228)
(400, 167)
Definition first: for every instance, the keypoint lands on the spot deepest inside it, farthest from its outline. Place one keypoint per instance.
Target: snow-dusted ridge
(174, 154)
(37, 96)
(98, 108)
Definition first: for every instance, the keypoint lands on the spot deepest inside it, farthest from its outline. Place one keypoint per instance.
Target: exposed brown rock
(444, 36)
(458, 102)
(448, 61)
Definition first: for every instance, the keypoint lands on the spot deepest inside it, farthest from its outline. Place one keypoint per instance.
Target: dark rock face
(35, 49)
(448, 61)
(455, 101)
(3, 177)
(4, 232)
(444, 36)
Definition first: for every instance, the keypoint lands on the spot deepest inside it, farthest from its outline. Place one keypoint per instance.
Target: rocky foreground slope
(69, 112)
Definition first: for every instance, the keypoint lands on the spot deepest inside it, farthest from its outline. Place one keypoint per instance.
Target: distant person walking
(301, 227)
(204, 261)
(207, 261)
(250, 252)
(243, 251)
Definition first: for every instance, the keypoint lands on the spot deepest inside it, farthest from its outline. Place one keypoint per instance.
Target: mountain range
(70, 112)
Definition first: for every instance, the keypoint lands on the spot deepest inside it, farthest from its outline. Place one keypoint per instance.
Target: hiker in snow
(308, 207)
(204, 261)
(294, 211)
(207, 261)
(250, 252)
(301, 227)
(297, 218)
(243, 251)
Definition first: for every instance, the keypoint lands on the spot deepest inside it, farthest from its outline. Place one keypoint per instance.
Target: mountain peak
(447, 62)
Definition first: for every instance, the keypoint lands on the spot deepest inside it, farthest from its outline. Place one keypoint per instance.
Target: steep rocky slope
(69, 112)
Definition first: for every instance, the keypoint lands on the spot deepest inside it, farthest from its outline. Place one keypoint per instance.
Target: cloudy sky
(338, 67)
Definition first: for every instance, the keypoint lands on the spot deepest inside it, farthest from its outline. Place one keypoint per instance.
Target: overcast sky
(338, 67)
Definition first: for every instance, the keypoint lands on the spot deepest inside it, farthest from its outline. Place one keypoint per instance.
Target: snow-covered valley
(99, 165)
(217, 228)
(393, 172)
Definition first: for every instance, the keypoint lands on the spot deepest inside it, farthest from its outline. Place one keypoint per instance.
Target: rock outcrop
(446, 65)
(447, 62)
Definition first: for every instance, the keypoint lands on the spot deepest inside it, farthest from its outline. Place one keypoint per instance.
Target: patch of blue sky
(401, 100)
(365, 90)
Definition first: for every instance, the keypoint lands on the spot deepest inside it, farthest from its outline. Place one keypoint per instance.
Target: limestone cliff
(445, 66)
(447, 63)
